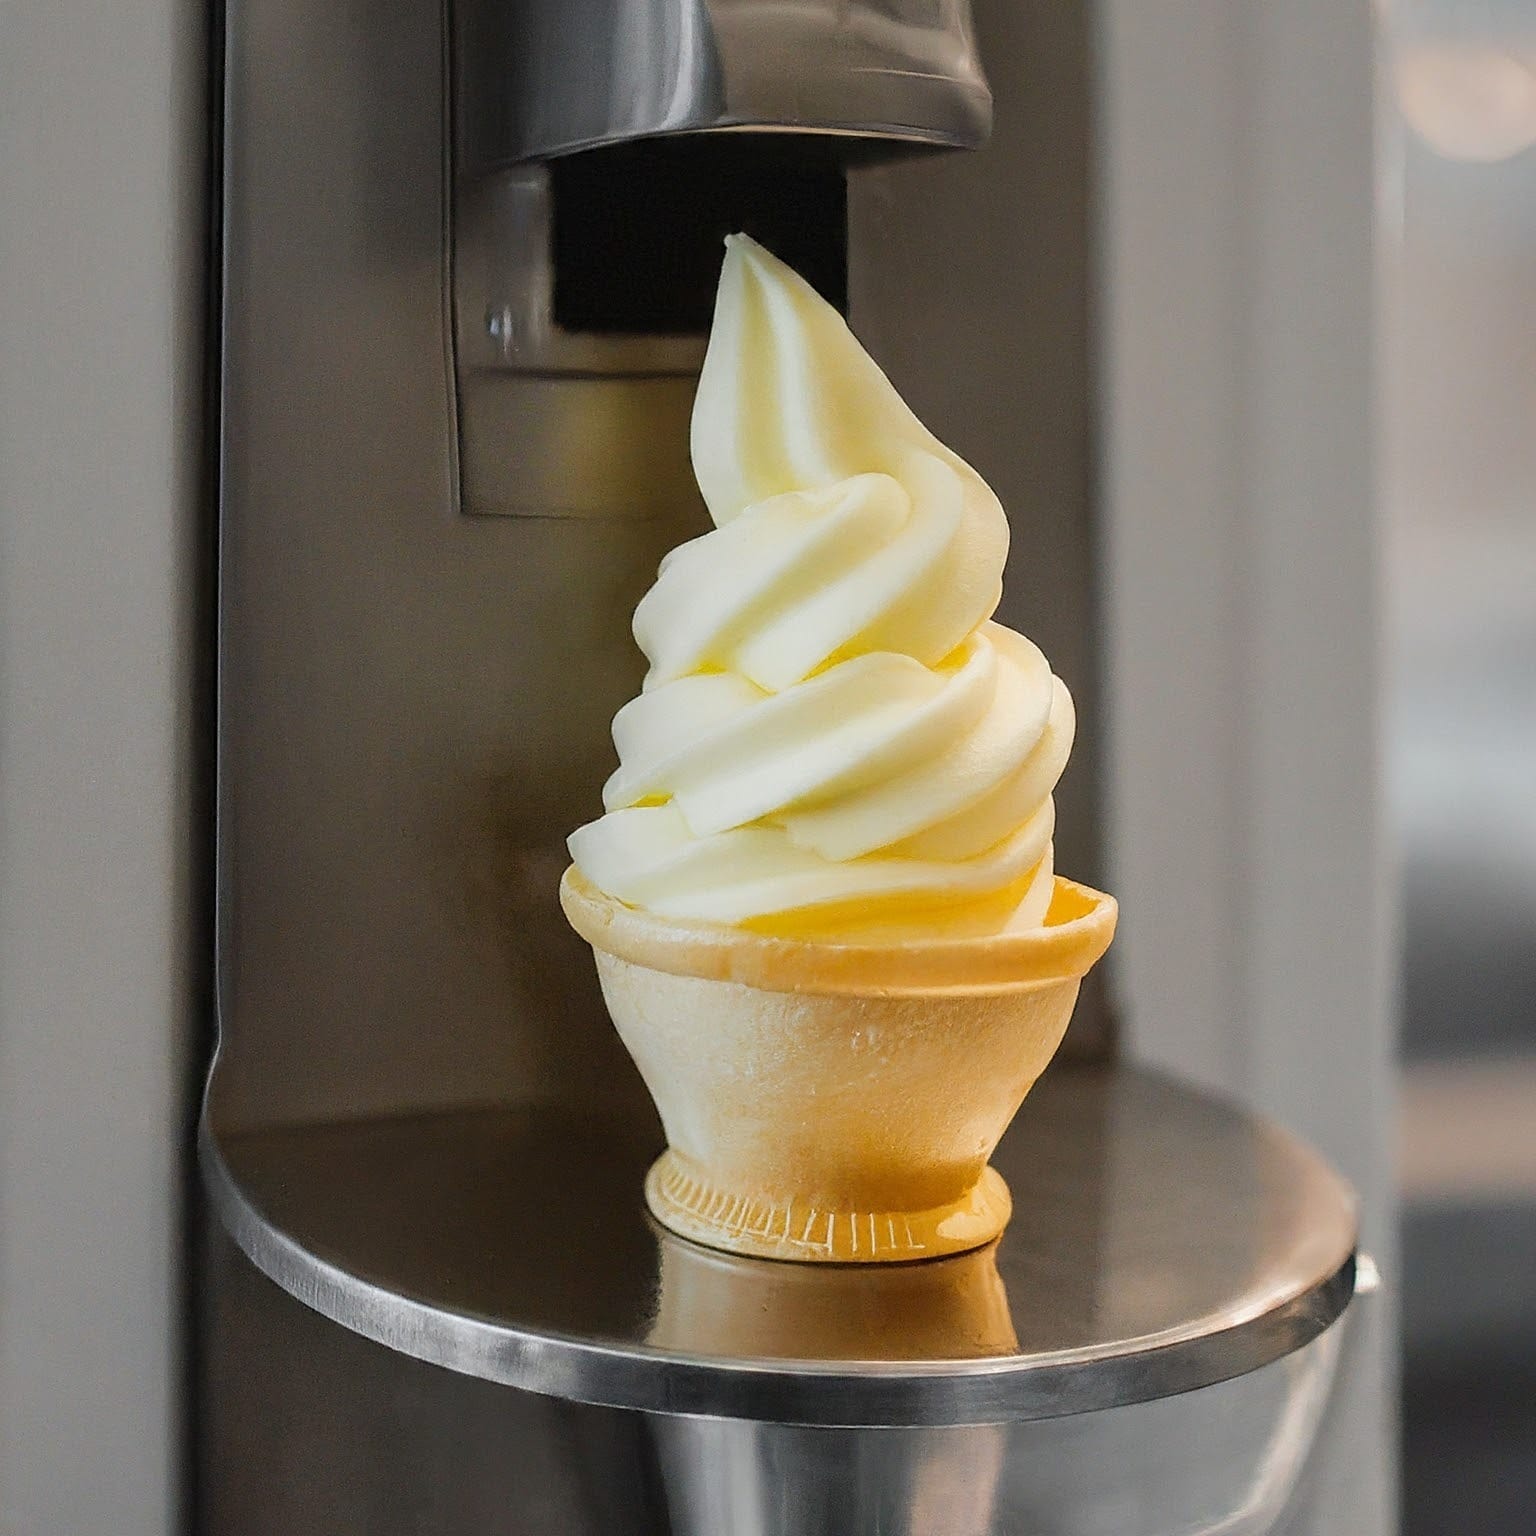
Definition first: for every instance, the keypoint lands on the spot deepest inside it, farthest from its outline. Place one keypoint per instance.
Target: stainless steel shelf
(1162, 1240)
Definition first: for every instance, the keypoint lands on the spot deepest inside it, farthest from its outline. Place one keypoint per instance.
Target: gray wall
(1242, 564)
(101, 133)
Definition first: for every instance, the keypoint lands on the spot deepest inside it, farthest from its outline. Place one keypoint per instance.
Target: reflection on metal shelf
(292, 1445)
(1162, 1241)
(1173, 1261)
(1367, 1275)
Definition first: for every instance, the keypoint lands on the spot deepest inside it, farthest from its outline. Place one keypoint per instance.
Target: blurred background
(1459, 381)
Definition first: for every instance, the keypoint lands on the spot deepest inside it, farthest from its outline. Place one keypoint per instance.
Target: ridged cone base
(690, 1205)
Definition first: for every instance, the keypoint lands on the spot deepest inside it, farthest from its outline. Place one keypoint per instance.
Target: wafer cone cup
(836, 1102)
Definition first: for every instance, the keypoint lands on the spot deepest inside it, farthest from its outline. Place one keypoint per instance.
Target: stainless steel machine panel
(414, 703)
(414, 698)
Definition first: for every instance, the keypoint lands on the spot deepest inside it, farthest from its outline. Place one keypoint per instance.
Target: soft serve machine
(469, 257)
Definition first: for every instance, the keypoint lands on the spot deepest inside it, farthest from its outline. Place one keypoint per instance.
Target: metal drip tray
(1162, 1240)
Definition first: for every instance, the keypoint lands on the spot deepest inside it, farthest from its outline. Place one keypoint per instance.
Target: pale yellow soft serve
(834, 740)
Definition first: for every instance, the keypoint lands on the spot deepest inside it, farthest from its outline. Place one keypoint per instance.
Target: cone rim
(1079, 926)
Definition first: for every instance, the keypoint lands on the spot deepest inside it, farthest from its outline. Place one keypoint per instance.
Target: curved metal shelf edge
(832, 1394)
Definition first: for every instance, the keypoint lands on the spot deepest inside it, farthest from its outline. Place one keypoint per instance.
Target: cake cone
(836, 1102)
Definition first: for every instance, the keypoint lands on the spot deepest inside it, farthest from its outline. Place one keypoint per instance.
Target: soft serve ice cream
(834, 739)
(821, 901)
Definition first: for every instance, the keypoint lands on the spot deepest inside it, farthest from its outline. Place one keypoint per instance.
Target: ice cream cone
(836, 1102)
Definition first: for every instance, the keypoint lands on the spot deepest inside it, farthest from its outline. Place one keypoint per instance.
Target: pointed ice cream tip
(789, 400)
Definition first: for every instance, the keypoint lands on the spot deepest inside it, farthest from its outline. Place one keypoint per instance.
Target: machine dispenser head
(545, 77)
(602, 150)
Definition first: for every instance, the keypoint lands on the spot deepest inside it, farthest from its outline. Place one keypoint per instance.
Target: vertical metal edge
(448, 258)
(1105, 1011)
(207, 908)
(217, 383)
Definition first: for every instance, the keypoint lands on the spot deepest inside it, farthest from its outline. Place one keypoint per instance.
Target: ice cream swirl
(833, 738)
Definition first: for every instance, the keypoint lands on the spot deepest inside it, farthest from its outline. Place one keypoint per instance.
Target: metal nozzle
(541, 78)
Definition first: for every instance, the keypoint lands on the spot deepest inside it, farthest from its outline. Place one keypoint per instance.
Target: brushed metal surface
(414, 705)
(314, 1428)
(566, 447)
(545, 77)
(1224, 1460)
(307, 1429)
(1162, 1241)
(504, 301)
(414, 708)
